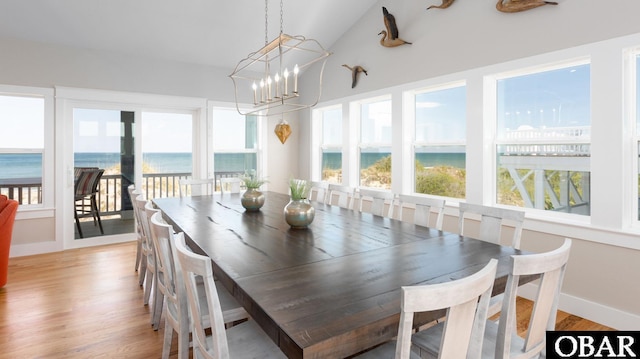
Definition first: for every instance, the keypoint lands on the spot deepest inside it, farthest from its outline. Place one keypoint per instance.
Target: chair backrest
(196, 268)
(230, 184)
(319, 191)
(133, 194)
(382, 202)
(492, 220)
(139, 203)
(78, 170)
(424, 208)
(466, 301)
(8, 210)
(340, 195)
(88, 182)
(196, 187)
(164, 239)
(551, 266)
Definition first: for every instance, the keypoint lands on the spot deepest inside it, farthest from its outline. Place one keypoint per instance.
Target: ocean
(30, 165)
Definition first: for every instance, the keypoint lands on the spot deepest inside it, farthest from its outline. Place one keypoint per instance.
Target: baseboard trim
(21, 250)
(593, 311)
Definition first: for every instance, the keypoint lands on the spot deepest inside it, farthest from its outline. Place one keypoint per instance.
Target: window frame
(410, 98)
(356, 118)
(46, 207)
(258, 150)
(492, 95)
(318, 145)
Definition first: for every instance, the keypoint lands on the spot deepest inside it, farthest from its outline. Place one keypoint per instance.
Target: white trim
(30, 212)
(28, 249)
(67, 99)
(593, 311)
(101, 240)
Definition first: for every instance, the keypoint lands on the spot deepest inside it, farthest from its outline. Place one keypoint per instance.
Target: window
(543, 140)
(439, 147)
(23, 149)
(331, 145)
(235, 143)
(375, 144)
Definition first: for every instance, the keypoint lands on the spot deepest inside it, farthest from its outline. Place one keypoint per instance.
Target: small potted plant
(299, 212)
(252, 199)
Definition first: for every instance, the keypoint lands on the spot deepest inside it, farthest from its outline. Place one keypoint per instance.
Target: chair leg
(147, 285)
(168, 338)
(142, 270)
(183, 342)
(158, 300)
(138, 253)
(75, 214)
(96, 212)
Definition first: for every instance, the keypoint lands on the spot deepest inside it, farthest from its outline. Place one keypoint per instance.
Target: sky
(23, 118)
(98, 130)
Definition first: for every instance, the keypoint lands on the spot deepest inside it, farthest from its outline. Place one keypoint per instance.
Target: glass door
(103, 140)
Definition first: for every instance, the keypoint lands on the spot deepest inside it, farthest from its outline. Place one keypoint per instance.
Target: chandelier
(268, 79)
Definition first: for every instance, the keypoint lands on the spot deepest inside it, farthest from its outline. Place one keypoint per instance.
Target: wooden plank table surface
(333, 289)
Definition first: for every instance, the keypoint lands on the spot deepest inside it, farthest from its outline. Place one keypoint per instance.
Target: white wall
(41, 65)
(602, 279)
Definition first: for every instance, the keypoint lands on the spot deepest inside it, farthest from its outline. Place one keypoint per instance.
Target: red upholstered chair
(8, 209)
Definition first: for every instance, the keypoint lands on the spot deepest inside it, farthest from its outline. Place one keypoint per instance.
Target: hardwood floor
(86, 303)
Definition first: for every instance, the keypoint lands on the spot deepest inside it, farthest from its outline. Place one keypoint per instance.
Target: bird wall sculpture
(505, 5)
(521, 5)
(390, 36)
(445, 4)
(355, 73)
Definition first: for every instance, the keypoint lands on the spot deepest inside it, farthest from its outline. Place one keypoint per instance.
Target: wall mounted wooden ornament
(445, 4)
(390, 36)
(355, 73)
(505, 5)
(521, 5)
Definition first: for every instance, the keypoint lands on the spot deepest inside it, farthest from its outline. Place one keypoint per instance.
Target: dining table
(332, 289)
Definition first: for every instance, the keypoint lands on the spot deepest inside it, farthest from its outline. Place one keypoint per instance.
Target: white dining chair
(244, 340)
(196, 186)
(172, 284)
(230, 185)
(319, 191)
(492, 221)
(340, 195)
(149, 276)
(133, 193)
(380, 203)
(465, 300)
(423, 210)
(158, 282)
(501, 339)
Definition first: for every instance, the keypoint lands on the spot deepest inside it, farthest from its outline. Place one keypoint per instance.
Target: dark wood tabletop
(333, 289)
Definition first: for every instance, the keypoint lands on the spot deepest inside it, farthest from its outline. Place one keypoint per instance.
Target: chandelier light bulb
(295, 79)
(277, 79)
(261, 90)
(286, 80)
(255, 93)
(269, 88)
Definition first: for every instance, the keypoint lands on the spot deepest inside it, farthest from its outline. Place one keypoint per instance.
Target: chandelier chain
(281, 13)
(266, 21)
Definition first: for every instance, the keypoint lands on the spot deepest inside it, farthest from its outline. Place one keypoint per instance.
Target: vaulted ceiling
(208, 32)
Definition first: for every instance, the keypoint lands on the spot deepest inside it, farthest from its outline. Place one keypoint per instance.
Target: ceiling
(206, 32)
